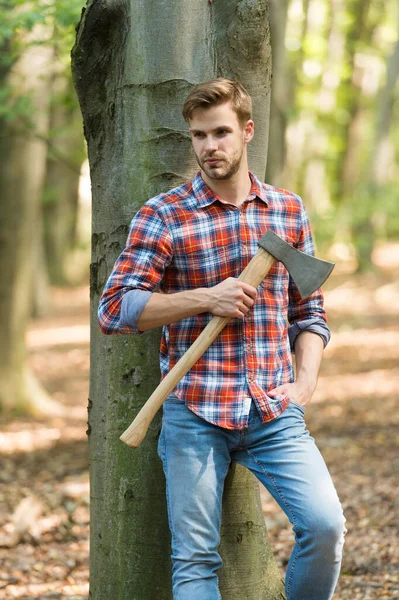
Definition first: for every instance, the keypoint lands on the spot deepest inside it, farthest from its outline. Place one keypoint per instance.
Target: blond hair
(219, 91)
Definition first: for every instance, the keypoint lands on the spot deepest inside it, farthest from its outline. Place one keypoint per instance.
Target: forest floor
(354, 417)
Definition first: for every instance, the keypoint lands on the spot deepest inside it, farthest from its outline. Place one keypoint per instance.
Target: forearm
(162, 309)
(308, 355)
(230, 298)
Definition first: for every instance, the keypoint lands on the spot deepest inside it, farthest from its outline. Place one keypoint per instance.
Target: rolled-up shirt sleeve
(313, 325)
(141, 267)
(133, 303)
(306, 314)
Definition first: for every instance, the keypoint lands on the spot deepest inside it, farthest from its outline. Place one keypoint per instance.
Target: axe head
(308, 272)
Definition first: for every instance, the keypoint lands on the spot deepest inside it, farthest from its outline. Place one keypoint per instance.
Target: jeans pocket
(300, 406)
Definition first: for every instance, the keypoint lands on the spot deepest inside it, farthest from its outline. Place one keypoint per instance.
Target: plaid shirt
(190, 238)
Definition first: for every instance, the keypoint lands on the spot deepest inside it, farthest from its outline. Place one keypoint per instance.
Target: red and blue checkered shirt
(189, 238)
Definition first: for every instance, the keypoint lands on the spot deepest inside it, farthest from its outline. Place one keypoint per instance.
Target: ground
(44, 484)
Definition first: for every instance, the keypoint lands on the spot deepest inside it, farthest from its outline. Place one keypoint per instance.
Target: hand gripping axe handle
(308, 272)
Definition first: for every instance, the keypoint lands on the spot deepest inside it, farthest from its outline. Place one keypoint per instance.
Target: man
(240, 401)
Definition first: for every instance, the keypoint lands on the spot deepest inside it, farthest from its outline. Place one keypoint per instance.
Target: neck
(233, 190)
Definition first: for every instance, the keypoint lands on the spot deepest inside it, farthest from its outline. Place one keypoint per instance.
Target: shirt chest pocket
(276, 279)
(203, 267)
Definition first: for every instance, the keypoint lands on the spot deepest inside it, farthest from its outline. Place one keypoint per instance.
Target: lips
(212, 161)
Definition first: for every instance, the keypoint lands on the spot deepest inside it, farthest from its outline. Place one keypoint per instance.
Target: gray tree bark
(134, 63)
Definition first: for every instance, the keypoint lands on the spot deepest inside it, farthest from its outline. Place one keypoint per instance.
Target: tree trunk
(378, 165)
(358, 30)
(133, 64)
(281, 98)
(286, 168)
(249, 570)
(22, 168)
(65, 157)
(40, 293)
(383, 122)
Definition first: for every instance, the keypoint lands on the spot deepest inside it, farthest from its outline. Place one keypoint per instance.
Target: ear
(249, 131)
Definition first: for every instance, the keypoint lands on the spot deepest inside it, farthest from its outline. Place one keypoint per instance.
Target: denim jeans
(196, 456)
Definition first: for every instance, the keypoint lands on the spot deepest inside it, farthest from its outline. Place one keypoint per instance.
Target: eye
(198, 134)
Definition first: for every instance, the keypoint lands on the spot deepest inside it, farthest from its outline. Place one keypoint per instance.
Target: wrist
(205, 299)
(306, 385)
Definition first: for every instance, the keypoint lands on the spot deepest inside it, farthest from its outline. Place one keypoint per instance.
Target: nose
(210, 144)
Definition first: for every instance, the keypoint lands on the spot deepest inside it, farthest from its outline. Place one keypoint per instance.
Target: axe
(308, 272)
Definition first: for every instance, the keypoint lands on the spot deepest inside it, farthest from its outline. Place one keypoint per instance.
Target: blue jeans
(196, 456)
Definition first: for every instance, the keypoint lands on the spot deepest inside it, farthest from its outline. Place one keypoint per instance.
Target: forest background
(334, 140)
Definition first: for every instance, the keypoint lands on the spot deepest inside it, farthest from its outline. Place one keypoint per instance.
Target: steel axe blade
(308, 272)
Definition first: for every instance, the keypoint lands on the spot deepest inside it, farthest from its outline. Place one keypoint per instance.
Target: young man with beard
(240, 402)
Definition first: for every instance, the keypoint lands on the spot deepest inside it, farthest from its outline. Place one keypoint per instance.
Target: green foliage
(12, 106)
(18, 18)
(338, 63)
(66, 16)
(23, 24)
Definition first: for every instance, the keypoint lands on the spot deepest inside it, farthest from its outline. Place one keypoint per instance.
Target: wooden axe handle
(253, 274)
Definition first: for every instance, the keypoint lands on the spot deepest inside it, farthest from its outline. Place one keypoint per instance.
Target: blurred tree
(22, 170)
(371, 195)
(26, 64)
(280, 98)
(337, 67)
(133, 65)
(66, 150)
(358, 31)
(61, 191)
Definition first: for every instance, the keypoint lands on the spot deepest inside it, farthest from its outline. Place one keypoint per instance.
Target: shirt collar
(205, 196)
